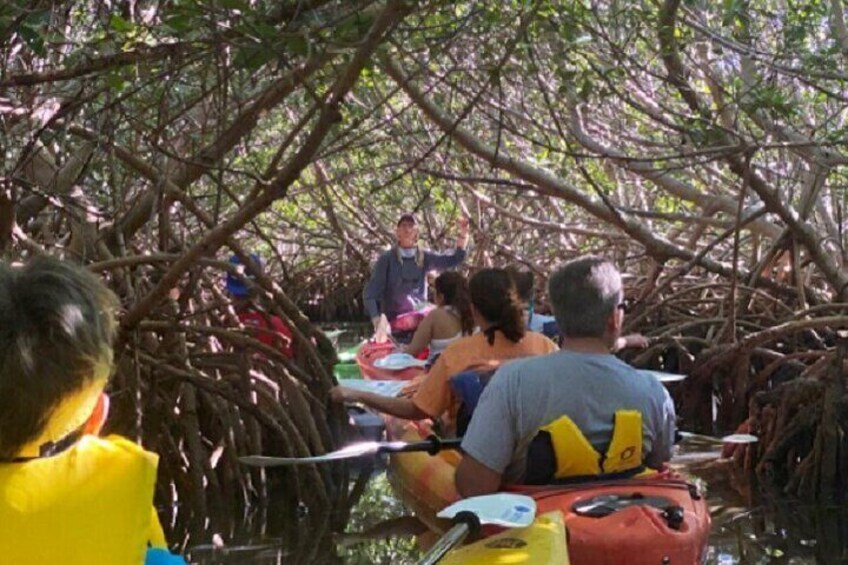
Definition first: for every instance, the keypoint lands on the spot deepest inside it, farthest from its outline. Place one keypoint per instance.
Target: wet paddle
(662, 376)
(501, 509)
(431, 445)
(382, 388)
(732, 438)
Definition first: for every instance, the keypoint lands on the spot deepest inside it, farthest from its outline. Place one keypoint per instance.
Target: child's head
(524, 283)
(57, 325)
(453, 290)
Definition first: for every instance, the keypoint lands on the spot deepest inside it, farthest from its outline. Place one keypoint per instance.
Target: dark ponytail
(495, 298)
(454, 289)
(524, 283)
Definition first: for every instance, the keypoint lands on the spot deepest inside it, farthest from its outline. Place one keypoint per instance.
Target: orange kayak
(371, 352)
(650, 521)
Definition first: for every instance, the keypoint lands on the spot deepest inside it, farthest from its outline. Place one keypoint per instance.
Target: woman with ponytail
(451, 319)
(497, 312)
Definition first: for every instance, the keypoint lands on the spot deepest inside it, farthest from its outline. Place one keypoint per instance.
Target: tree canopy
(695, 142)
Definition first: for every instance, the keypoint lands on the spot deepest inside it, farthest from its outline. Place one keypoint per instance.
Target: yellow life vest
(575, 457)
(92, 503)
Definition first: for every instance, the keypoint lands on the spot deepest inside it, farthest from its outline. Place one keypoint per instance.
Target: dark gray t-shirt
(589, 388)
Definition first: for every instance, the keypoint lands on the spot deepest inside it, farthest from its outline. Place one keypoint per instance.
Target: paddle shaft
(464, 524)
(733, 438)
(431, 445)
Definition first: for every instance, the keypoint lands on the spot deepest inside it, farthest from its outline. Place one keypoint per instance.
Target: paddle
(349, 354)
(383, 388)
(502, 509)
(431, 445)
(662, 376)
(732, 438)
(332, 334)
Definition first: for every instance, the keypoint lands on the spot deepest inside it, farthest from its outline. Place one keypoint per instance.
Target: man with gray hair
(574, 414)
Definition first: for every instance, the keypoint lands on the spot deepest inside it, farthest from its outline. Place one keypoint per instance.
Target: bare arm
(423, 335)
(637, 341)
(401, 407)
(473, 478)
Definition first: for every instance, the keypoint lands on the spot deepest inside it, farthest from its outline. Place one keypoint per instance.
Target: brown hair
(524, 282)
(454, 288)
(493, 295)
(56, 327)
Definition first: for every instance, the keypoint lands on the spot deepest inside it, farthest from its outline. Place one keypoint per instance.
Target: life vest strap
(561, 454)
(625, 450)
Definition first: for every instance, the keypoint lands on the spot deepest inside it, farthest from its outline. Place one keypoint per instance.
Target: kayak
(371, 352)
(409, 321)
(653, 520)
(545, 537)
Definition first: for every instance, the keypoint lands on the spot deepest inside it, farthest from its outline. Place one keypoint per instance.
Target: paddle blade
(349, 452)
(332, 334)
(733, 438)
(398, 362)
(383, 388)
(502, 509)
(664, 377)
(740, 438)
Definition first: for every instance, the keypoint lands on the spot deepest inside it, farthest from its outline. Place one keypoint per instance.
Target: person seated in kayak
(267, 328)
(525, 285)
(497, 312)
(547, 325)
(398, 283)
(581, 412)
(449, 321)
(66, 495)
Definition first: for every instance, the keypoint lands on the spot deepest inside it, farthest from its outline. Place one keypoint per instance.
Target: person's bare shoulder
(542, 342)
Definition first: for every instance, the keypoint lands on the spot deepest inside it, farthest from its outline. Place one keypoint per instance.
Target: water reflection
(747, 529)
(379, 530)
(781, 531)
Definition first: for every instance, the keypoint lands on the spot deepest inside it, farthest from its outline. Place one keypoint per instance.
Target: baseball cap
(235, 283)
(407, 217)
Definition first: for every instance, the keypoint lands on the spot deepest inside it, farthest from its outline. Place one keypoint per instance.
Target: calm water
(746, 529)
(380, 530)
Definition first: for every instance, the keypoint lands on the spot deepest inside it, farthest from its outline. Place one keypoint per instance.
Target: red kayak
(653, 520)
(409, 321)
(370, 352)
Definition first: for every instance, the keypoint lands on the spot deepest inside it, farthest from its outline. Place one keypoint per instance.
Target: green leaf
(240, 5)
(34, 39)
(179, 23)
(116, 81)
(119, 24)
(253, 56)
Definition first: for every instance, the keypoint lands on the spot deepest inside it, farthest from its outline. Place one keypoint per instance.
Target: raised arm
(442, 261)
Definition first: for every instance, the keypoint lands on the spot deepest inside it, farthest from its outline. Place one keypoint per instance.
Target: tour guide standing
(398, 279)
(596, 414)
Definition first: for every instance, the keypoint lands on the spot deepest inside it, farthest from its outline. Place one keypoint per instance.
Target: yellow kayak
(540, 543)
